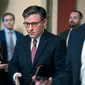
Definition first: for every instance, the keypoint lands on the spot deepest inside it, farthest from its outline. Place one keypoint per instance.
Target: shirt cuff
(14, 76)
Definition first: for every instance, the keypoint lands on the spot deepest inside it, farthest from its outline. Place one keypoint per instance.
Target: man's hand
(3, 66)
(16, 80)
(6, 68)
(42, 82)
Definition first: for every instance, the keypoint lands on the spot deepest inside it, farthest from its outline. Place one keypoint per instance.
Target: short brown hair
(8, 13)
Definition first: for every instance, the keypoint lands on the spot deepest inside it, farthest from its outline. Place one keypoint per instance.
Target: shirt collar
(7, 30)
(38, 38)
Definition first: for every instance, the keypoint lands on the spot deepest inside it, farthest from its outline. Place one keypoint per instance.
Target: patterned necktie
(34, 49)
(11, 43)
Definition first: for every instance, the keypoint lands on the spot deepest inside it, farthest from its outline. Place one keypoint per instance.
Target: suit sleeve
(65, 71)
(59, 61)
(60, 56)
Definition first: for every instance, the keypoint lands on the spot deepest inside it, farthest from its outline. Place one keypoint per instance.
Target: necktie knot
(10, 32)
(34, 41)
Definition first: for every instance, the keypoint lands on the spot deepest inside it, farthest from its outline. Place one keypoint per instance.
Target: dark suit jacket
(73, 61)
(64, 34)
(4, 52)
(51, 53)
(4, 44)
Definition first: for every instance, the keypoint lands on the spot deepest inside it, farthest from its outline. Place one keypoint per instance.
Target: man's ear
(45, 22)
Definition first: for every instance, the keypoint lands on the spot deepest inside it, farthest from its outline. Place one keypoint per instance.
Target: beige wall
(17, 7)
(81, 7)
(54, 16)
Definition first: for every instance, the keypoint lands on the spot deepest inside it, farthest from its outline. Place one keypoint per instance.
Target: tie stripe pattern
(34, 49)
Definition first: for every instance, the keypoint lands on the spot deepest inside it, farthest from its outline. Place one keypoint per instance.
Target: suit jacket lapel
(66, 33)
(3, 38)
(17, 34)
(78, 53)
(27, 52)
(41, 47)
(80, 42)
(77, 57)
(40, 50)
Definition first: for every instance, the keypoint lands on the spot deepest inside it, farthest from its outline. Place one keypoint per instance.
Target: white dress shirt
(82, 70)
(37, 39)
(68, 37)
(9, 55)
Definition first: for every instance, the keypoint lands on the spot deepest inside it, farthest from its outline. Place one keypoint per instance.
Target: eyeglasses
(33, 24)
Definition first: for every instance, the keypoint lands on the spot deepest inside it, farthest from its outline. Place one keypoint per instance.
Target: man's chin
(10, 28)
(32, 36)
(73, 26)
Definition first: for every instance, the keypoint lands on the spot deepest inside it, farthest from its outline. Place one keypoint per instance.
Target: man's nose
(30, 27)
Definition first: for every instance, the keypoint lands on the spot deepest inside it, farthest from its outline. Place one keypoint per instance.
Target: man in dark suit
(75, 60)
(49, 58)
(74, 21)
(8, 39)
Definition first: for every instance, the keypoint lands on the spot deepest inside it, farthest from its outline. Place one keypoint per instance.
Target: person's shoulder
(79, 30)
(1, 33)
(57, 40)
(55, 37)
(1, 30)
(24, 37)
(22, 40)
(64, 32)
(19, 33)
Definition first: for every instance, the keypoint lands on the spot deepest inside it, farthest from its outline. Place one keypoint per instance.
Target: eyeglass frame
(33, 24)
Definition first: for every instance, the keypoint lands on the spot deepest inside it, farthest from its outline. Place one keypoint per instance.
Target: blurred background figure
(75, 19)
(8, 38)
(75, 60)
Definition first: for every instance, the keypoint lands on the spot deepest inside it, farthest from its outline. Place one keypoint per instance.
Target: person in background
(75, 60)
(75, 19)
(40, 54)
(8, 38)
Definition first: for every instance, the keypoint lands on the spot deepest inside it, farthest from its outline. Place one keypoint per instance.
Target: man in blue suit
(8, 39)
(49, 53)
(75, 20)
(75, 61)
